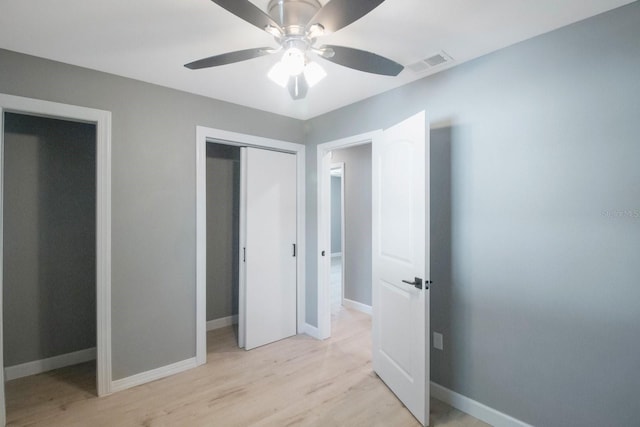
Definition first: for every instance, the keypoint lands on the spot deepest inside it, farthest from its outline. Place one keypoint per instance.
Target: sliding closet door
(268, 313)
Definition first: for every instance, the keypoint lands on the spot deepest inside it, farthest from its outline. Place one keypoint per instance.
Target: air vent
(432, 61)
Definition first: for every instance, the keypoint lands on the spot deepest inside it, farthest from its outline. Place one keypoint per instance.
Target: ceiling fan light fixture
(313, 73)
(295, 25)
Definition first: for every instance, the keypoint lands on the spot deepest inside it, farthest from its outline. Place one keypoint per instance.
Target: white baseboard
(336, 254)
(474, 408)
(44, 365)
(312, 331)
(222, 322)
(355, 305)
(152, 375)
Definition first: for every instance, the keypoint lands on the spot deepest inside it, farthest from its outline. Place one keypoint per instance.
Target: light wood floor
(295, 382)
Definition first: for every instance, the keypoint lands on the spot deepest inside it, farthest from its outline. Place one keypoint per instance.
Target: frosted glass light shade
(313, 73)
(279, 74)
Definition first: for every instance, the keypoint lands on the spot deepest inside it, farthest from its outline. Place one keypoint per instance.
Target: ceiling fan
(295, 25)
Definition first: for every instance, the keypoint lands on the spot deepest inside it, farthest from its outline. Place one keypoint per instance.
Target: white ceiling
(150, 40)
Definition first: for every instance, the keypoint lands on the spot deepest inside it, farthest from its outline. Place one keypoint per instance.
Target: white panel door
(268, 312)
(400, 254)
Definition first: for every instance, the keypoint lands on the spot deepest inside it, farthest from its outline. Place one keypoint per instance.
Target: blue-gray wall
(153, 196)
(535, 223)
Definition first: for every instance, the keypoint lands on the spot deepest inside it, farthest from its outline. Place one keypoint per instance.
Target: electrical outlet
(437, 341)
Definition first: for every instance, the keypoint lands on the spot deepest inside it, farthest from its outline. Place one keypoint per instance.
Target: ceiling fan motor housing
(293, 15)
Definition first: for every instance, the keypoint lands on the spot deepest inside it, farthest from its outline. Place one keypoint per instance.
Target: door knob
(417, 282)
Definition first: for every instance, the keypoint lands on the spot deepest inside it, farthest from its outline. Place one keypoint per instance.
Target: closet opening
(271, 250)
(49, 257)
(222, 240)
(251, 245)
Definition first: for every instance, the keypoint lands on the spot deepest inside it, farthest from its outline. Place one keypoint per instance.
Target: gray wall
(535, 220)
(49, 277)
(357, 217)
(153, 196)
(223, 214)
(336, 214)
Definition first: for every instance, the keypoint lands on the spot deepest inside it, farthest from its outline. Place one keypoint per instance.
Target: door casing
(204, 135)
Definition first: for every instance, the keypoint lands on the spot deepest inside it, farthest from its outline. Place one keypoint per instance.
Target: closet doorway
(270, 244)
(55, 231)
(251, 243)
(223, 235)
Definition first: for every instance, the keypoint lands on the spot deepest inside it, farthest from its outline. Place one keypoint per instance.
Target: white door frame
(204, 135)
(324, 222)
(102, 120)
(340, 167)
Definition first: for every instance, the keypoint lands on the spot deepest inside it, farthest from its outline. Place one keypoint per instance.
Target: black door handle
(417, 282)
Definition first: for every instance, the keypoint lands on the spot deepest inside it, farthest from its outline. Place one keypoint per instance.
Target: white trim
(49, 364)
(222, 322)
(355, 305)
(324, 221)
(203, 135)
(474, 408)
(153, 375)
(102, 120)
(2, 379)
(103, 254)
(312, 331)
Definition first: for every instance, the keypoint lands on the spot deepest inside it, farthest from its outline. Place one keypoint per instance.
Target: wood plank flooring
(295, 382)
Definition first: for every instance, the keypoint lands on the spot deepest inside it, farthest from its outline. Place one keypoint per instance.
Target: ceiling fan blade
(298, 87)
(363, 61)
(339, 13)
(246, 10)
(229, 58)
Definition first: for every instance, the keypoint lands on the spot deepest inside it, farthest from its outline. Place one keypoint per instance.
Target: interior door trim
(204, 135)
